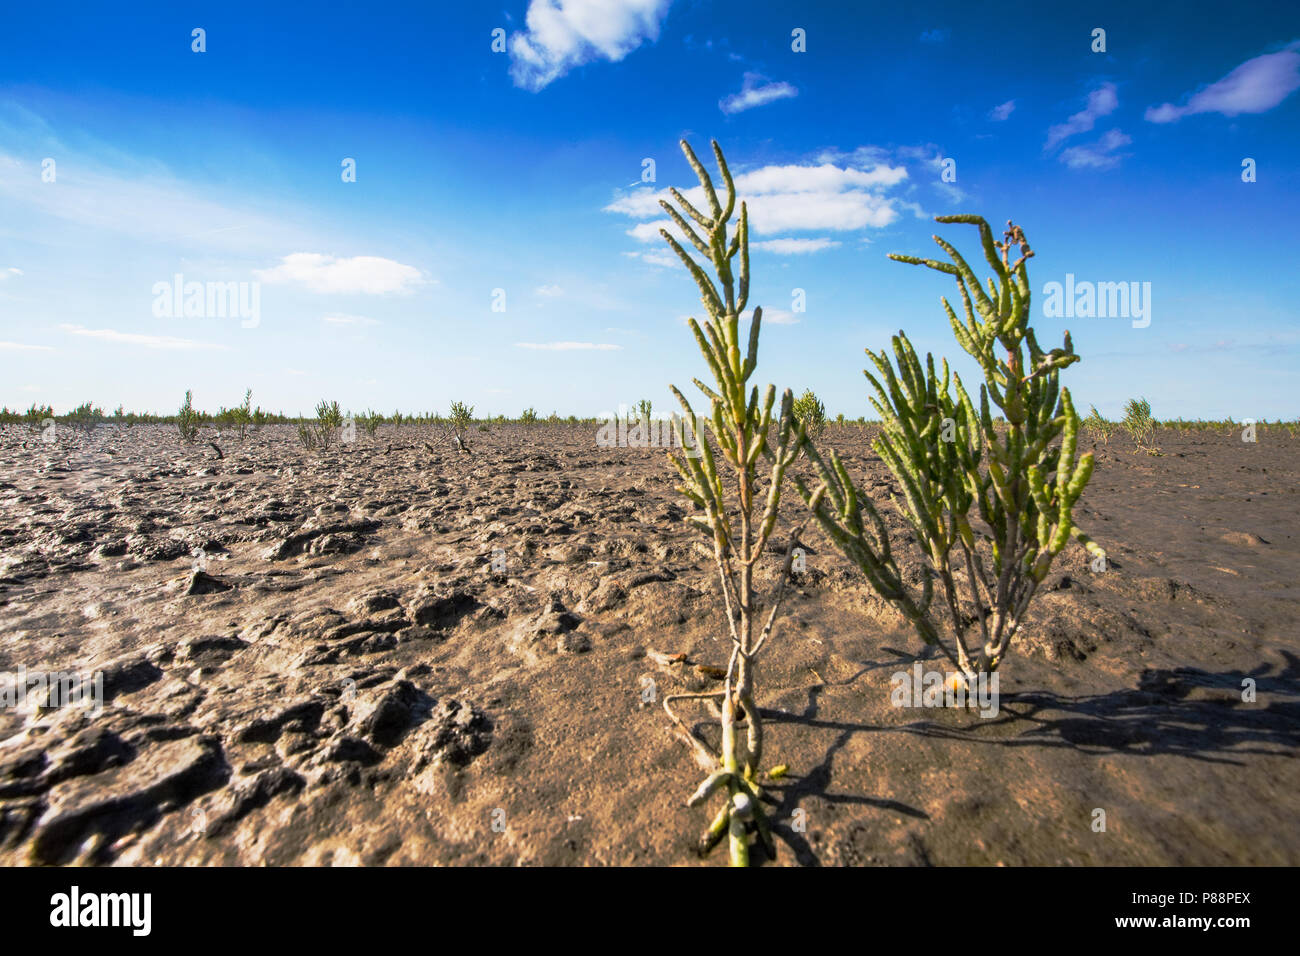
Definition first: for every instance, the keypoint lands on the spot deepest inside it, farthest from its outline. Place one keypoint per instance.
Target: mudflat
(391, 654)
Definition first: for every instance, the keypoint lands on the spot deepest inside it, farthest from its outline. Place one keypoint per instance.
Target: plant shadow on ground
(1158, 717)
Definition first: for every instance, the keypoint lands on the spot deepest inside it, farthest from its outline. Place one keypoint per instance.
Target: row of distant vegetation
(1137, 421)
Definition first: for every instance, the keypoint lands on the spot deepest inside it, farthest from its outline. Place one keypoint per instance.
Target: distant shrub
(528, 417)
(461, 416)
(243, 415)
(371, 421)
(1138, 422)
(1098, 425)
(187, 420)
(329, 419)
(85, 416)
(37, 414)
(809, 410)
(459, 419)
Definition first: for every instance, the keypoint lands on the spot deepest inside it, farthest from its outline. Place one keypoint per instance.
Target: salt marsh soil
(398, 654)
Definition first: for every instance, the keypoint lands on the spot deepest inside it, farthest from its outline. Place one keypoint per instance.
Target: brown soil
(350, 681)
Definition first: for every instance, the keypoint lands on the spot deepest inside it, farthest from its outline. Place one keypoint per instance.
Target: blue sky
(521, 171)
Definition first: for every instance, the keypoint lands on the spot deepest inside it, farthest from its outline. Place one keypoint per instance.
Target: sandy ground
(351, 681)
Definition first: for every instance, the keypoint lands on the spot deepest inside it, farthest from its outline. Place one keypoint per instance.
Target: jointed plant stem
(740, 427)
(1001, 492)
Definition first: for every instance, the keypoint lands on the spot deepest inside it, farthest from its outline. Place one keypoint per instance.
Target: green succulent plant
(990, 500)
(719, 468)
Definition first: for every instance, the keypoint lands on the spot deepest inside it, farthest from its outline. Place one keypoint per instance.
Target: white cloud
(1000, 113)
(7, 273)
(369, 275)
(549, 291)
(166, 342)
(1255, 86)
(1098, 155)
(665, 260)
(20, 347)
(847, 210)
(755, 92)
(788, 247)
(772, 316)
(646, 231)
(1101, 102)
(823, 178)
(339, 318)
(786, 198)
(564, 34)
(568, 346)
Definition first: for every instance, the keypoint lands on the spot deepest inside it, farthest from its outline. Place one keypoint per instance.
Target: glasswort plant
(991, 503)
(737, 521)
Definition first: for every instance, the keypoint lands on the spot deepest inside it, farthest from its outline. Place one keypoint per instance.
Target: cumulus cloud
(1101, 102)
(569, 346)
(1099, 155)
(664, 260)
(564, 34)
(755, 91)
(1255, 86)
(786, 198)
(549, 291)
(1000, 113)
(166, 342)
(369, 275)
(789, 247)
(772, 316)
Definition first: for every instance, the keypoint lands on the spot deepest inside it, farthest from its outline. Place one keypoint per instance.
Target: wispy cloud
(932, 158)
(22, 347)
(1099, 155)
(756, 91)
(1101, 102)
(368, 275)
(568, 346)
(1255, 86)
(9, 273)
(549, 291)
(165, 342)
(100, 189)
(565, 34)
(339, 318)
(790, 247)
(999, 113)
